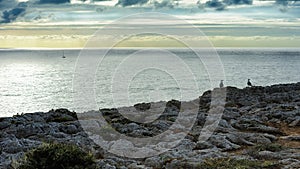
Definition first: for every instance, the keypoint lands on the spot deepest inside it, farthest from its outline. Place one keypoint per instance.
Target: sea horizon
(155, 48)
(46, 67)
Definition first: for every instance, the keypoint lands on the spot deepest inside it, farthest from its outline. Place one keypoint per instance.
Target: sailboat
(63, 56)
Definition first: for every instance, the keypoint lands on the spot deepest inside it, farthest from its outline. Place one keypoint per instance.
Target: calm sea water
(40, 80)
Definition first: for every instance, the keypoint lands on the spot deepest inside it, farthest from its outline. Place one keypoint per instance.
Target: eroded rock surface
(258, 124)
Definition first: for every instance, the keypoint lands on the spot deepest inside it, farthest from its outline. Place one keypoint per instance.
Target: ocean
(41, 80)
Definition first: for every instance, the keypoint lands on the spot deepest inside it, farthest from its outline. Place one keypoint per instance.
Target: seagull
(249, 83)
(221, 84)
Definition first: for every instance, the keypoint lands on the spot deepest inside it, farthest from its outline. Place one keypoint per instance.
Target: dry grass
(288, 131)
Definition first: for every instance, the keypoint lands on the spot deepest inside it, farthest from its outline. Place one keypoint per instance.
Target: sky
(226, 23)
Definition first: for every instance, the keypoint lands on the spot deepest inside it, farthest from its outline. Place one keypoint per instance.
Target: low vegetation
(58, 156)
(254, 151)
(274, 147)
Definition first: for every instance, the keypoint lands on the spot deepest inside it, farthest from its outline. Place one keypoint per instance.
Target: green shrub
(268, 147)
(254, 151)
(58, 156)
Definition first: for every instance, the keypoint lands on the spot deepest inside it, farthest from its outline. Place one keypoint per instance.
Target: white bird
(221, 84)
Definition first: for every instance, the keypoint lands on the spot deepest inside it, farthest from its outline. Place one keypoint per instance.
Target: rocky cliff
(260, 125)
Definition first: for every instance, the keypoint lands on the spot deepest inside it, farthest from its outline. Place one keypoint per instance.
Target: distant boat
(63, 56)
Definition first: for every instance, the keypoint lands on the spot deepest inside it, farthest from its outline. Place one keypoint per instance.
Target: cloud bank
(53, 1)
(10, 10)
(125, 3)
(13, 10)
(221, 5)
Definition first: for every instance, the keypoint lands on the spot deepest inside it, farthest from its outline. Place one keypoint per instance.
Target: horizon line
(124, 48)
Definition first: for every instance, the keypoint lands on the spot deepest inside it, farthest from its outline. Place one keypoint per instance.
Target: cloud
(11, 10)
(4, 4)
(164, 4)
(282, 2)
(131, 2)
(11, 15)
(286, 2)
(97, 0)
(221, 5)
(238, 2)
(53, 1)
(218, 5)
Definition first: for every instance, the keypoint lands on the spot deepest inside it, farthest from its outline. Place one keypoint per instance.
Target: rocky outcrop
(258, 124)
(21, 133)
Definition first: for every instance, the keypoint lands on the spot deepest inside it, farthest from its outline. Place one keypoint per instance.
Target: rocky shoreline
(259, 124)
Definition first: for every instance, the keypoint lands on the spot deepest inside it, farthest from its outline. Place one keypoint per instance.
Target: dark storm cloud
(214, 4)
(53, 1)
(11, 10)
(218, 5)
(11, 15)
(131, 2)
(221, 5)
(238, 2)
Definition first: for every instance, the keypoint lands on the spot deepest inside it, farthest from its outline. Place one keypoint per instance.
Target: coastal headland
(259, 128)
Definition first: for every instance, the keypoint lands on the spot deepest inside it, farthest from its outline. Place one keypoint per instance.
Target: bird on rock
(221, 84)
(249, 83)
